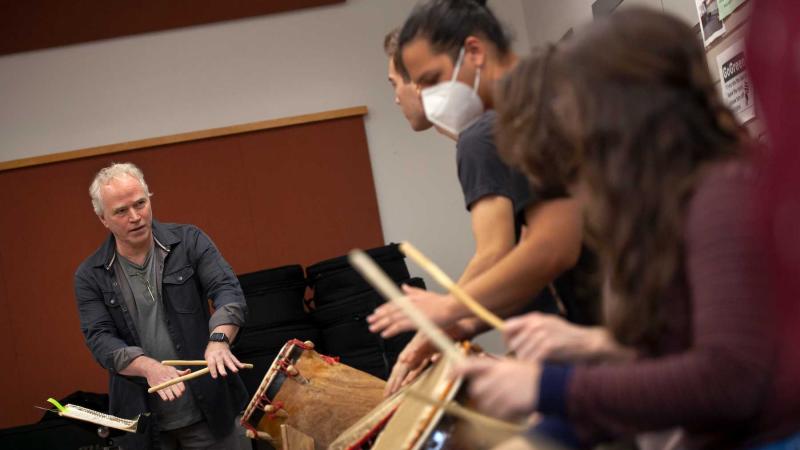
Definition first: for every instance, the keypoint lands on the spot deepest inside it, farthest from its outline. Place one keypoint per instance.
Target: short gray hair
(106, 174)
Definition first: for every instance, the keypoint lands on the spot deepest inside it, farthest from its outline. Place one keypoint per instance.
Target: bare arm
(551, 245)
(493, 230)
(493, 227)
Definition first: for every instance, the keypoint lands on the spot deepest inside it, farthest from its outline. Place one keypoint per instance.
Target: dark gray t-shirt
(481, 172)
(141, 287)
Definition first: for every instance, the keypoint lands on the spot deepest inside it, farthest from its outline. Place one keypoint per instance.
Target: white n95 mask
(452, 105)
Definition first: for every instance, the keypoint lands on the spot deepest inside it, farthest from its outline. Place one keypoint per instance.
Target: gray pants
(199, 437)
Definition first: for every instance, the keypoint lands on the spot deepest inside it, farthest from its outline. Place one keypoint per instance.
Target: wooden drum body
(405, 422)
(313, 393)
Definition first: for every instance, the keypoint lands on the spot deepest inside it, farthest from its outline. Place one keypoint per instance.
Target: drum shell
(322, 399)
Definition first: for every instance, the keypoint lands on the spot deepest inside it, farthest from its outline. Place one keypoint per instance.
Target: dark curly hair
(646, 121)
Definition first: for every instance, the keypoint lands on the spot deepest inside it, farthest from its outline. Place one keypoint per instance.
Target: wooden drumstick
(182, 362)
(447, 283)
(468, 414)
(383, 284)
(193, 362)
(187, 377)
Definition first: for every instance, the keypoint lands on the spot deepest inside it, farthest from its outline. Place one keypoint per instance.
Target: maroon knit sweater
(720, 373)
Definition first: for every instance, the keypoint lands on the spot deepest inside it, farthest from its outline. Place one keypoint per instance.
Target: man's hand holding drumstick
(167, 381)
(218, 353)
(157, 374)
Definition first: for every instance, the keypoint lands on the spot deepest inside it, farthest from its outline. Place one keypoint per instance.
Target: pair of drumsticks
(381, 282)
(361, 261)
(188, 376)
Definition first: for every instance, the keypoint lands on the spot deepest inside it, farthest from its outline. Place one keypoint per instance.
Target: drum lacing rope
(283, 364)
(278, 406)
(248, 426)
(263, 401)
(331, 360)
(301, 344)
(328, 359)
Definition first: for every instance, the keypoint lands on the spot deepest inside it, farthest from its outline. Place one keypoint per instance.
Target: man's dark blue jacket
(194, 271)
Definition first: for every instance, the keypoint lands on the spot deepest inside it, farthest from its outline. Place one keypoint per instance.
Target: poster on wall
(726, 7)
(737, 91)
(710, 22)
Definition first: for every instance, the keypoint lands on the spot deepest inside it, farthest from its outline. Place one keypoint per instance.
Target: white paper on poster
(737, 91)
(711, 25)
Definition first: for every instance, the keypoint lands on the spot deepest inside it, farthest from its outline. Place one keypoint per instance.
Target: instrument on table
(312, 393)
(104, 420)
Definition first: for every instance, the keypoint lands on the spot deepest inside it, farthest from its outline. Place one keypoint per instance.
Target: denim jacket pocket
(111, 300)
(182, 293)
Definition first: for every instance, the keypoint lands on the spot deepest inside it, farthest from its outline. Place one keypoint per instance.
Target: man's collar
(107, 253)
(164, 238)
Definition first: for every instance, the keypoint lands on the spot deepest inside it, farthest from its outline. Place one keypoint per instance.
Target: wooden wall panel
(8, 354)
(36, 24)
(288, 195)
(341, 208)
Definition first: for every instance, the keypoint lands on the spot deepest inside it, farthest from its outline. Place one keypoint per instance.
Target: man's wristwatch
(218, 337)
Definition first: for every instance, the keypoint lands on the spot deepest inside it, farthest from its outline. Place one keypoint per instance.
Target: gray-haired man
(143, 298)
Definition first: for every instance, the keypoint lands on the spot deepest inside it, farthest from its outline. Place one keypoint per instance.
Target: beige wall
(548, 20)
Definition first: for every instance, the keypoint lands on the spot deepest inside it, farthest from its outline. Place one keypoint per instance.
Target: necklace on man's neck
(143, 271)
(136, 256)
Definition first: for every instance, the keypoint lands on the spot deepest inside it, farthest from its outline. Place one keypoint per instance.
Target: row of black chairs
(333, 317)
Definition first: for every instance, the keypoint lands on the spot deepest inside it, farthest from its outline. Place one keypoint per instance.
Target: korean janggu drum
(312, 393)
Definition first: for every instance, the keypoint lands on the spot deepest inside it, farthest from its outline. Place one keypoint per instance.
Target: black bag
(274, 296)
(334, 279)
(276, 311)
(345, 331)
(270, 339)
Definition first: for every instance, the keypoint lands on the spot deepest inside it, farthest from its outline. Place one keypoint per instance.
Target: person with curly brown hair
(627, 118)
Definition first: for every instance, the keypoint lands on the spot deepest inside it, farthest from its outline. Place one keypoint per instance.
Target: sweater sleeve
(720, 378)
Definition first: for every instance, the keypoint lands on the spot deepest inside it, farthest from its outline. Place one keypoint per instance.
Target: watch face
(218, 337)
